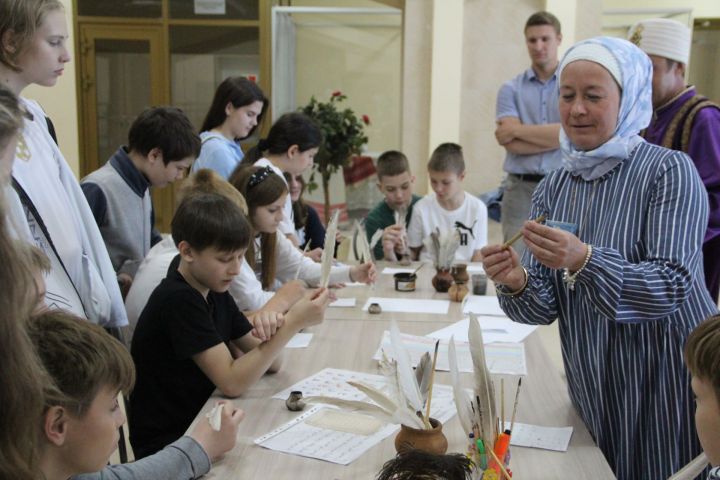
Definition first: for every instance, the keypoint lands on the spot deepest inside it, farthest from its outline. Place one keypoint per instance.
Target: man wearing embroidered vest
(161, 146)
(684, 120)
(528, 122)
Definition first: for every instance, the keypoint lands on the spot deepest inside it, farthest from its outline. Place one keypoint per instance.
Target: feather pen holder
(442, 280)
(430, 441)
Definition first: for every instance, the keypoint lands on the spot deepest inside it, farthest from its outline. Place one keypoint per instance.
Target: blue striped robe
(624, 326)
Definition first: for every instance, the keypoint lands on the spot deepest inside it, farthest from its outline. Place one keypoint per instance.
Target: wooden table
(347, 339)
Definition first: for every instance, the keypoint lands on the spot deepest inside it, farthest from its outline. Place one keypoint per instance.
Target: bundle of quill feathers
(478, 413)
(408, 390)
(442, 247)
(361, 248)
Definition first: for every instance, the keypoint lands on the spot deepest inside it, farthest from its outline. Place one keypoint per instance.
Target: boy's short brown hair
(702, 352)
(392, 163)
(81, 358)
(447, 157)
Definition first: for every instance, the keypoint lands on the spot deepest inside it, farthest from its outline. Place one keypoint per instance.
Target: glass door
(122, 72)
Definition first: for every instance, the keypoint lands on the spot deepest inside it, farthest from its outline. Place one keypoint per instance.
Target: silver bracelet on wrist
(571, 278)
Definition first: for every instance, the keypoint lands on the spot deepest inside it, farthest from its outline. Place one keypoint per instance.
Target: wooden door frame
(159, 88)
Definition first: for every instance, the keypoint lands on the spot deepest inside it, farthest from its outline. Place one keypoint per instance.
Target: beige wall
(701, 8)
(492, 51)
(60, 102)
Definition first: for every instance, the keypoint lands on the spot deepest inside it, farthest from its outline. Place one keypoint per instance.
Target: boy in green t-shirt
(395, 182)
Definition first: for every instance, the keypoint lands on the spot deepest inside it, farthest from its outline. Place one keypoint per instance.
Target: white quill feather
(406, 379)
(369, 408)
(442, 247)
(377, 236)
(423, 372)
(483, 385)
(376, 396)
(462, 401)
(328, 254)
(361, 243)
(214, 417)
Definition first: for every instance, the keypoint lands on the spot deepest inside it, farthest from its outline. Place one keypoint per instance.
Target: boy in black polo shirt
(180, 346)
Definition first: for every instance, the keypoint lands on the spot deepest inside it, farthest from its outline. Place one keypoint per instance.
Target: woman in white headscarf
(618, 263)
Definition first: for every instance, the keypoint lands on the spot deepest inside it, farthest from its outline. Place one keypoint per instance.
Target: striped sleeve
(655, 281)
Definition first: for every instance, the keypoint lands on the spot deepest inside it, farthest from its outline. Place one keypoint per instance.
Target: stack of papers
(501, 358)
(494, 329)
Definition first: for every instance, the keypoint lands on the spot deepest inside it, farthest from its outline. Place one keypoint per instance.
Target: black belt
(528, 177)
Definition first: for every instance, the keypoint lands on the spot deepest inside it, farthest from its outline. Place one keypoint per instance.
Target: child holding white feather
(273, 256)
(449, 207)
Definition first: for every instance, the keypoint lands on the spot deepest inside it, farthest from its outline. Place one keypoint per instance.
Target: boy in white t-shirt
(449, 207)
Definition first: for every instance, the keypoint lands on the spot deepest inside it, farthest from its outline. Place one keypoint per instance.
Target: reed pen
(517, 236)
(517, 397)
(432, 381)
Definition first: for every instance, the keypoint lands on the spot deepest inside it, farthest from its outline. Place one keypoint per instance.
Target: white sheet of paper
(332, 382)
(300, 340)
(501, 358)
(410, 305)
(394, 270)
(299, 438)
(494, 329)
(483, 305)
(343, 302)
(535, 436)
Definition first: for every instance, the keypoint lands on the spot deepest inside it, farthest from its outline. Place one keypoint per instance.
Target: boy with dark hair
(161, 146)
(449, 207)
(395, 182)
(702, 356)
(180, 345)
(89, 368)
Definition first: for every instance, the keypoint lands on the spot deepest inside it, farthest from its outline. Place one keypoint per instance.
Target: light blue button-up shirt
(533, 102)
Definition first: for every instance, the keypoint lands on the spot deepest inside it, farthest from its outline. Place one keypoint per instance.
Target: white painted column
(446, 76)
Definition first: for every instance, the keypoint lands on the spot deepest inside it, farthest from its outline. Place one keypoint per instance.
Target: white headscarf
(632, 68)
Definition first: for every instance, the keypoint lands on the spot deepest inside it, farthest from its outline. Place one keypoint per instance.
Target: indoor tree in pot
(343, 134)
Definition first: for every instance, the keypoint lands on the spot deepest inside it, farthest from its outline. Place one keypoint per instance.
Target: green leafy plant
(344, 135)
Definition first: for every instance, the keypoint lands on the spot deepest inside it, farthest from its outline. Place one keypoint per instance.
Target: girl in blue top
(235, 112)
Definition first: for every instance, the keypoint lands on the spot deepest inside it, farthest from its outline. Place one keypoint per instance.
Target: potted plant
(344, 136)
